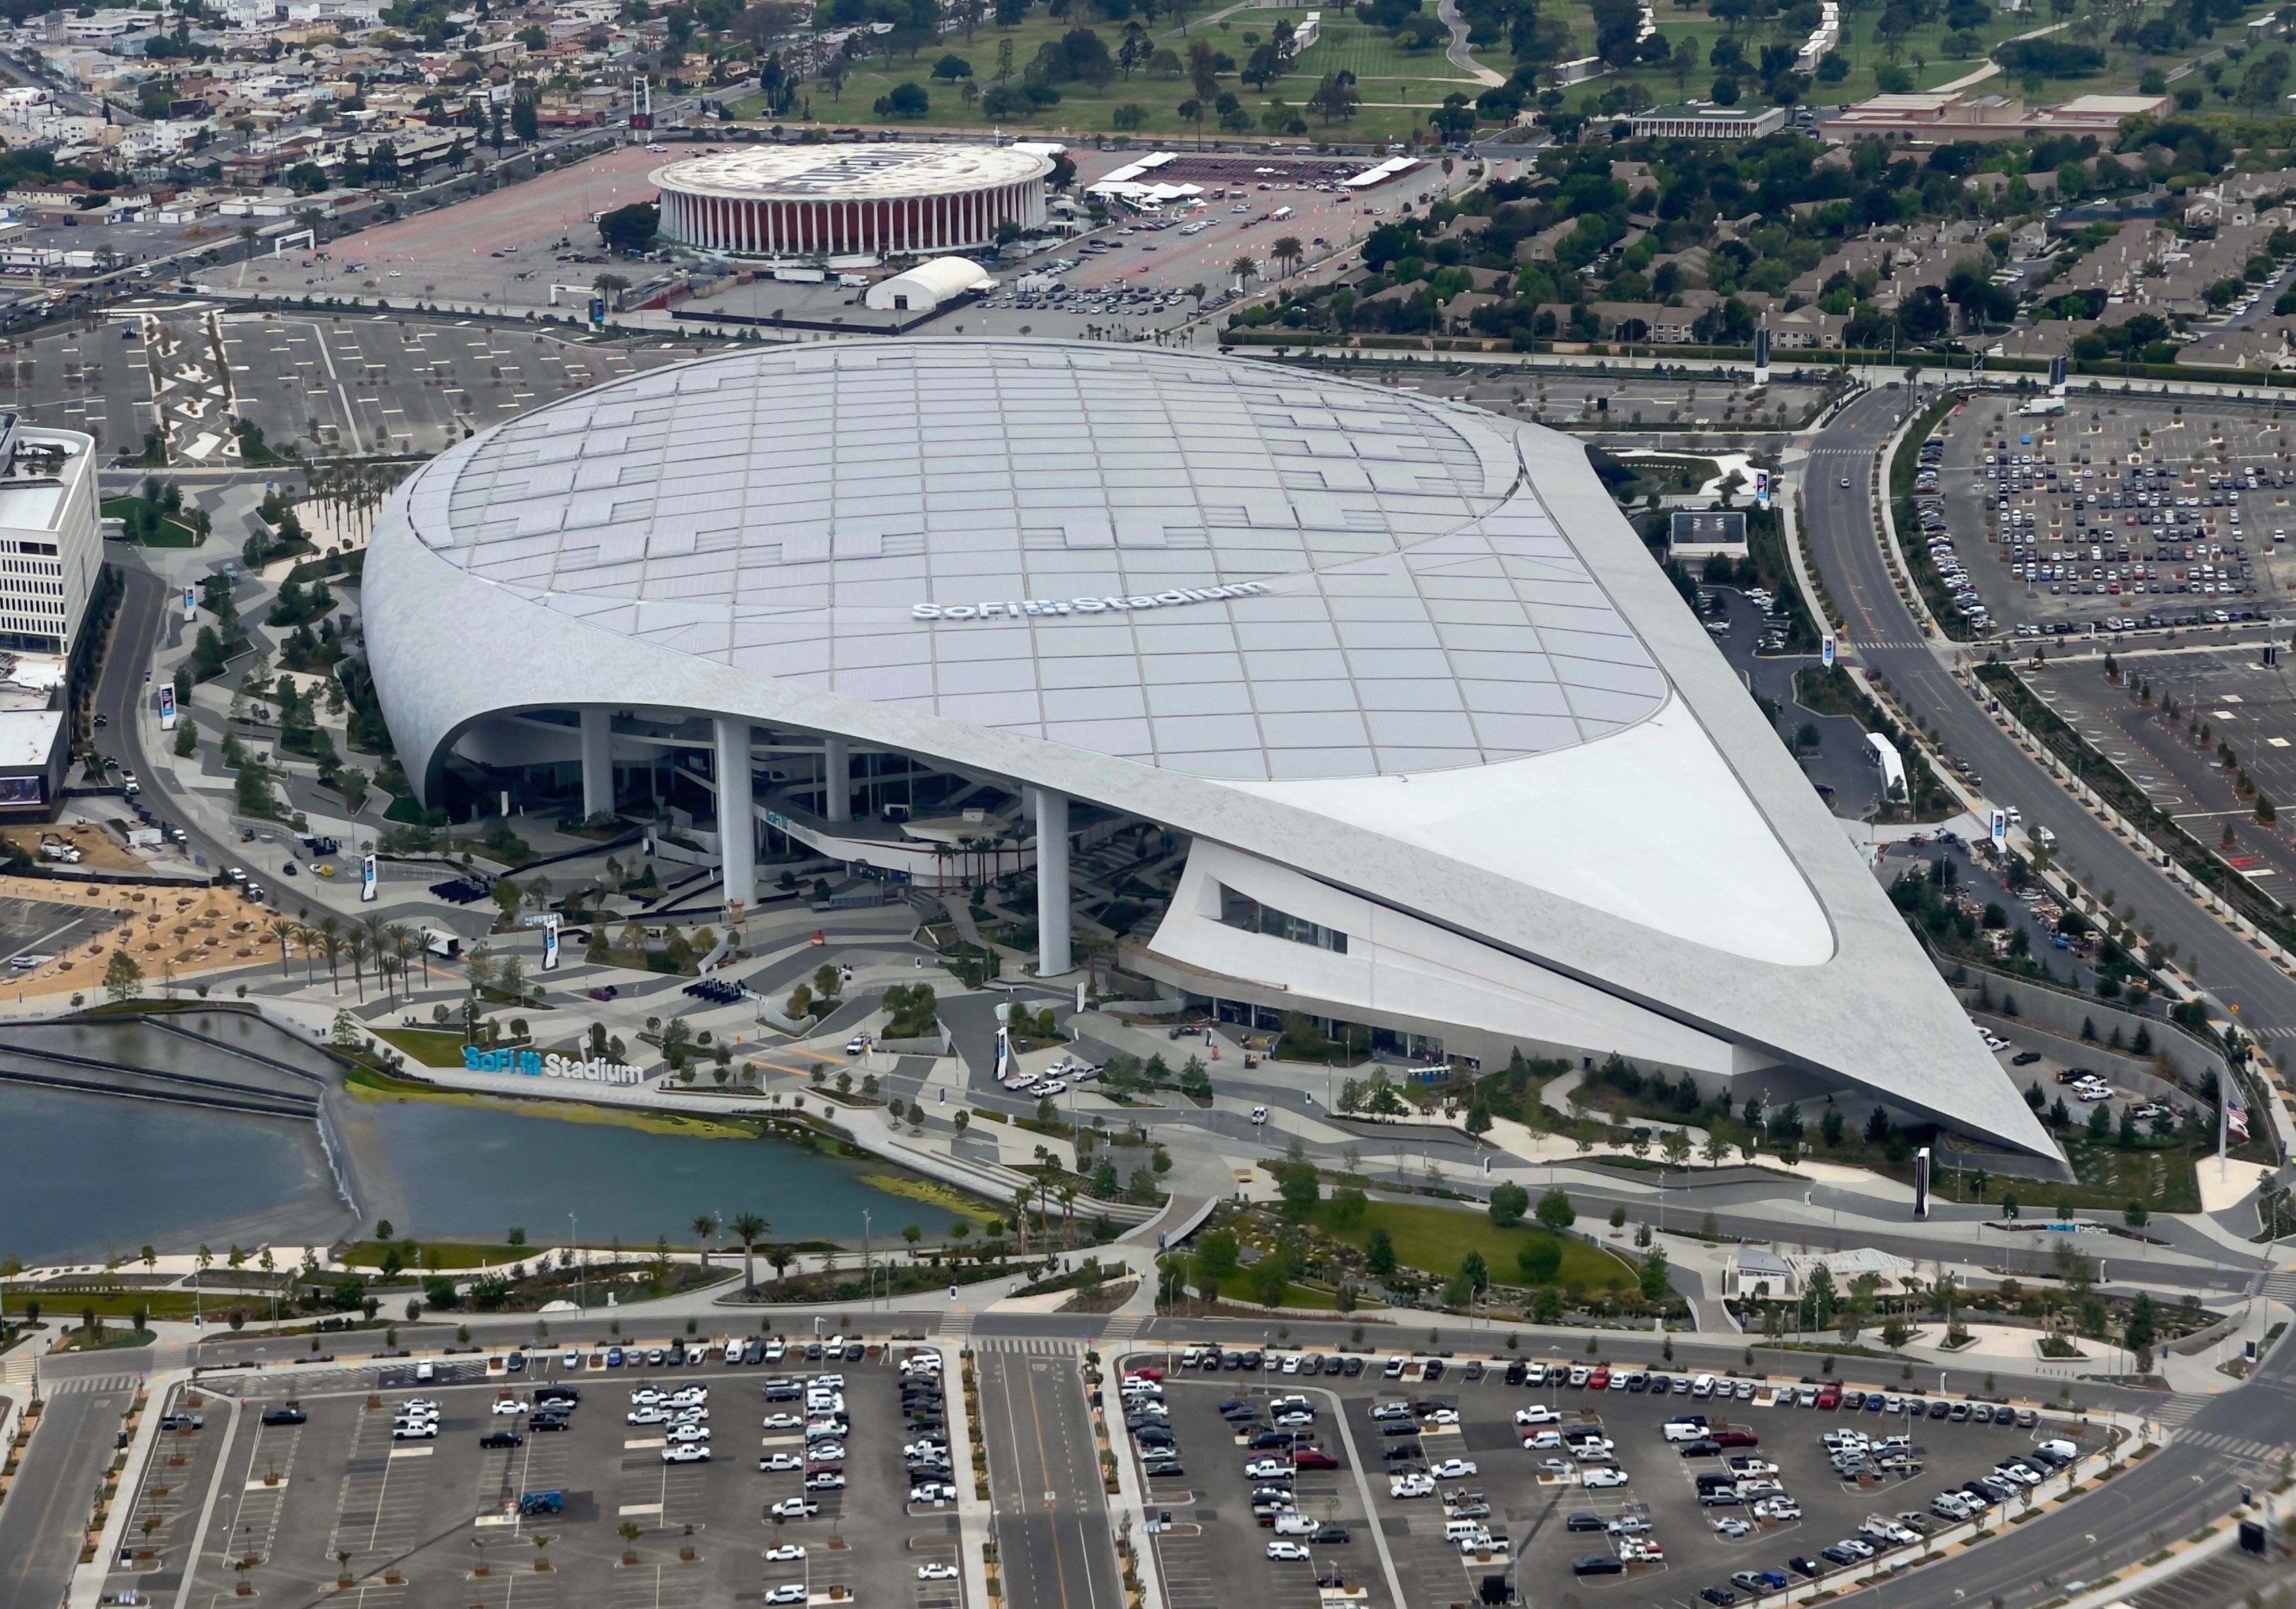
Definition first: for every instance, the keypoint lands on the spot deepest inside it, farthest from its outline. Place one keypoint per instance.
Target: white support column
(737, 827)
(597, 762)
(1053, 956)
(837, 779)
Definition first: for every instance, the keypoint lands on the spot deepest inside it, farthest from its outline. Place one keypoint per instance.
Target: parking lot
(2118, 515)
(1434, 1487)
(489, 1495)
(2223, 697)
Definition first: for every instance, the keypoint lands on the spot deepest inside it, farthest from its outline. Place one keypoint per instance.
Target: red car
(1599, 1381)
(1147, 1372)
(1314, 1457)
(1829, 1398)
(1736, 1438)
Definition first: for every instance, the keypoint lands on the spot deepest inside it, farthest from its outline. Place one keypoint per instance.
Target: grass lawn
(435, 1254)
(173, 532)
(80, 1341)
(1237, 1287)
(64, 1308)
(431, 1046)
(1385, 73)
(1433, 1239)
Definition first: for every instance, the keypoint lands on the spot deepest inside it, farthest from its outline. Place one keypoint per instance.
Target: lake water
(83, 1177)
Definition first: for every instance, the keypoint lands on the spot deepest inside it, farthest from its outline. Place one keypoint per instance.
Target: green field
(1399, 87)
(1433, 1239)
(427, 1047)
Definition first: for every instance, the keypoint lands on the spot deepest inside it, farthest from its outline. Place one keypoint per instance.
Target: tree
(1509, 1204)
(705, 1230)
(748, 1229)
(1555, 1211)
(1216, 1261)
(1297, 1185)
(630, 228)
(1540, 1258)
(123, 979)
(1653, 1276)
(1379, 1252)
(1675, 1145)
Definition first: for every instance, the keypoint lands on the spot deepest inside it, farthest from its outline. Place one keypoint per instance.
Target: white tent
(927, 286)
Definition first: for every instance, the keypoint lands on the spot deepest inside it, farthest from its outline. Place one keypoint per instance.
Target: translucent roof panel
(1224, 568)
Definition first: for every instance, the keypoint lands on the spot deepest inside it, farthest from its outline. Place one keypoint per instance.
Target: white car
(1605, 1475)
(689, 1415)
(648, 1416)
(692, 1396)
(1453, 1469)
(1411, 1486)
(825, 1452)
(1292, 1551)
(783, 1421)
(825, 1481)
(936, 1572)
(783, 1553)
(645, 1396)
(1732, 1528)
(507, 1405)
(793, 1593)
(685, 1452)
(1537, 1412)
(1263, 1469)
(1777, 1508)
(933, 1491)
(1442, 1415)
(793, 1509)
(571, 1360)
(426, 1430)
(824, 1429)
(780, 1461)
(1540, 1440)
(1753, 1467)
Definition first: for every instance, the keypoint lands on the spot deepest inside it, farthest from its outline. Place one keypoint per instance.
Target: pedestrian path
(2280, 1286)
(71, 1383)
(1033, 1346)
(1121, 1327)
(2180, 1409)
(2234, 1447)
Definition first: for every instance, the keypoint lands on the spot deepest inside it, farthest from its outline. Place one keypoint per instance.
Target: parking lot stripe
(410, 1452)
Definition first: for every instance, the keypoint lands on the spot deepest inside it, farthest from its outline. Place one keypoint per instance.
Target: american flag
(2235, 1116)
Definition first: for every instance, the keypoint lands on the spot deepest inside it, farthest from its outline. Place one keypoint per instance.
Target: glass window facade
(1241, 910)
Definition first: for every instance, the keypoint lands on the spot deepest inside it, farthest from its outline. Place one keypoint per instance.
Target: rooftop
(850, 172)
(1039, 538)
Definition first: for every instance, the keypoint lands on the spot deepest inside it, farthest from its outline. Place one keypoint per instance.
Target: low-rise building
(1702, 121)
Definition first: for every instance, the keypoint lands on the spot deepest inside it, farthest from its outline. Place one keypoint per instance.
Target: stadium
(1298, 699)
(845, 202)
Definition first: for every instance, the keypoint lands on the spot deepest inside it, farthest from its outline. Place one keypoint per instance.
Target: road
(49, 1507)
(1883, 636)
(1044, 1482)
(119, 694)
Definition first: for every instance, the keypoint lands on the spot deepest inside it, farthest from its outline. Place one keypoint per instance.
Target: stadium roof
(850, 172)
(1402, 646)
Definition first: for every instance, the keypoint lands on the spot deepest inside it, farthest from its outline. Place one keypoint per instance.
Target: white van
(1456, 1531)
(1297, 1525)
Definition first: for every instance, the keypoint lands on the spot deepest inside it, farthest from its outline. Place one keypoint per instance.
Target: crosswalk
(2179, 1410)
(1033, 1346)
(1120, 1328)
(72, 1383)
(2248, 1452)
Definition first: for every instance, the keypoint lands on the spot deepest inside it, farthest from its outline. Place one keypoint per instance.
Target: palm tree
(1288, 251)
(1068, 1215)
(1245, 269)
(1020, 1216)
(748, 1229)
(332, 943)
(283, 930)
(355, 943)
(705, 1228)
(307, 939)
(781, 1257)
(401, 939)
(372, 926)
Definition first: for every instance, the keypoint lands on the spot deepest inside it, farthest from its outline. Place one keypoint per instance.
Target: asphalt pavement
(54, 1495)
(1053, 1545)
(1883, 636)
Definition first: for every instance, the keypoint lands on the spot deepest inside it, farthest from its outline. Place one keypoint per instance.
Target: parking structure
(599, 1476)
(1760, 1485)
(2118, 515)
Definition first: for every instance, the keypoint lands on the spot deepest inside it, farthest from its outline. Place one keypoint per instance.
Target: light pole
(865, 1274)
(581, 1264)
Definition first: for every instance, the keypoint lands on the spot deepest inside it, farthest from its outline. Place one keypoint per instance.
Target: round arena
(848, 202)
